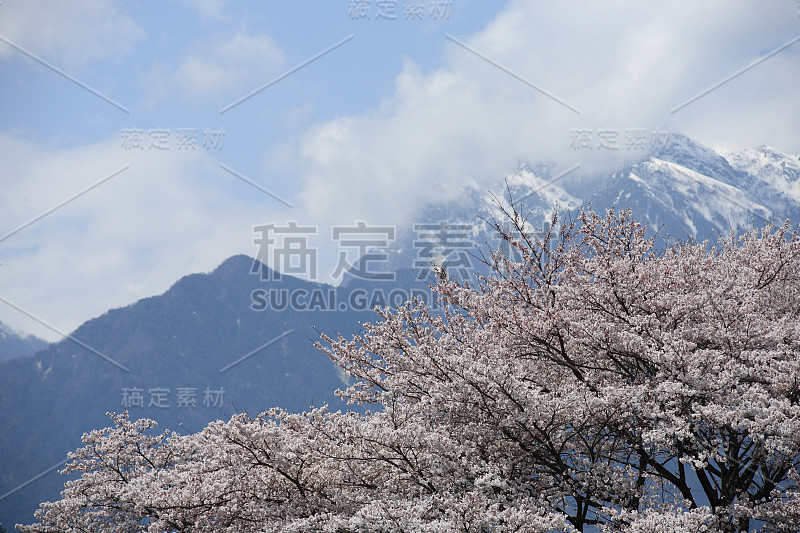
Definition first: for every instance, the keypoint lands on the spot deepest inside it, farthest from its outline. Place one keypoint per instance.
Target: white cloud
(623, 64)
(70, 33)
(237, 63)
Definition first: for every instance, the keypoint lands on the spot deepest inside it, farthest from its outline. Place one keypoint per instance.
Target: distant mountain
(14, 344)
(458, 234)
(682, 189)
(199, 352)
(687, 189)
(774, 177)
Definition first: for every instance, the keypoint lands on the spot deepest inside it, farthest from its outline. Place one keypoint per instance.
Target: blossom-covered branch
(591, 379)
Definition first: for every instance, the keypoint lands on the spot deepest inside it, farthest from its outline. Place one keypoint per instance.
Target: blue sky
(404, 111)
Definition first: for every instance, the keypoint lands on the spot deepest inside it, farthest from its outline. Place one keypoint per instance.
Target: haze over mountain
(200, 352)
(14, 344)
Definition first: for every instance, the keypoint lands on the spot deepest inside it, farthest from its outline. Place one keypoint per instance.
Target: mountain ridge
(15, 344)
(196, 353)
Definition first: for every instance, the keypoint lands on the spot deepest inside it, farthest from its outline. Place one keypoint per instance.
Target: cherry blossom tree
(593, 381)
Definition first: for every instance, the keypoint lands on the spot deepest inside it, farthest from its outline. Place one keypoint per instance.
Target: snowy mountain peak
(684, 188)
(678, 143)
(528, 188)
(688, 189)
(688, 153)
(771, 168)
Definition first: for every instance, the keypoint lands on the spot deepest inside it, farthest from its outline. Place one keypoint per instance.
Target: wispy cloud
(223, 67)
(70, 33)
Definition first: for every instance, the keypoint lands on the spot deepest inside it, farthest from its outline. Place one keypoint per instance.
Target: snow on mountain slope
(687, 189)
(683, 189)
(701, 203)
(688, 153)
(450, 232)
(538, 193)
(770, 167)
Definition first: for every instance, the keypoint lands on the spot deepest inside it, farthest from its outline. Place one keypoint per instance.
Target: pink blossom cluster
(599, 383)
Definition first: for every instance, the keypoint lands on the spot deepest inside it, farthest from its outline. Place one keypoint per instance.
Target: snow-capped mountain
(457, 233)
(677, 200)
(687, 189)
(770, 166)
(682, 189)
(775, 175)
